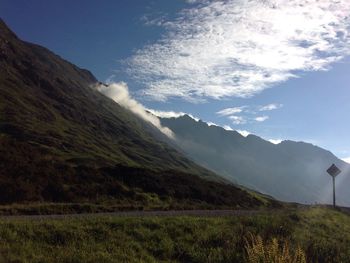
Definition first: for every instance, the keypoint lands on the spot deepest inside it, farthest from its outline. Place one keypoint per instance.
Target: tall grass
(323, 236)
(273, 251)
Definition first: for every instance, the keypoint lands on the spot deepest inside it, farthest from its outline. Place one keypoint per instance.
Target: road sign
(333, 170)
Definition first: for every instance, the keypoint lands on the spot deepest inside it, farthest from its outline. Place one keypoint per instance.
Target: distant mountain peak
(291, 171)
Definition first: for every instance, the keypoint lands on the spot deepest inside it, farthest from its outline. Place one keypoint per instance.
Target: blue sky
(275, 68)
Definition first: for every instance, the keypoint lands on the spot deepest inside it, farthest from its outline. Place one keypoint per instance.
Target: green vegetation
(175, 239)
(51, 104)
(27, 176)
(272, 251)
(64, 142)
(65, 148)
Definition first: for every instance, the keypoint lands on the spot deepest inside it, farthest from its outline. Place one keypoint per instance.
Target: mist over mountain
(289, 171)
(61, 140)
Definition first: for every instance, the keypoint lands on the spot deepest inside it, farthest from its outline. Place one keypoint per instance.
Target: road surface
(172, 213)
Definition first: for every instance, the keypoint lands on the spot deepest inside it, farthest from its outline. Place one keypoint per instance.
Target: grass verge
(323, 234)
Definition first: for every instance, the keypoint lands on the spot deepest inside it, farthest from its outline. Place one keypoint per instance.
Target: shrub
(258, 251)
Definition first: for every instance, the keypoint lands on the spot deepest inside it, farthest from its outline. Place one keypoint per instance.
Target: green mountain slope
(50, 102)
(62, 141)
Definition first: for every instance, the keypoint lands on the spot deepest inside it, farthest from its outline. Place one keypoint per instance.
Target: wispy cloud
(194, 1)
(174, 114)
(271, 107)
(212, 124)
(346, 160)
(166, 114)
(227, 128)
(171, 114)
(262, 118)
(244, 132)
(230, 111)
(237, 119)
(247, 114)
(275, 141)
(119, 92)
(216, 49)
(153, 19)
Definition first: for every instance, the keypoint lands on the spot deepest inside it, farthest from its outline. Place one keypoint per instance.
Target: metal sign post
(333, 171)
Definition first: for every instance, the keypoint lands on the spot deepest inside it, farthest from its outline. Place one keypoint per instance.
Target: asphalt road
(172, 213)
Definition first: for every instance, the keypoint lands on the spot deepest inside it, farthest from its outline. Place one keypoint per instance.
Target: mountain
(289, 171)
(63, 141)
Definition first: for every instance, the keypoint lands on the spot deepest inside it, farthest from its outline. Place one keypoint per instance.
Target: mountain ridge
(52, 88)
(289, 171)
(63, 141)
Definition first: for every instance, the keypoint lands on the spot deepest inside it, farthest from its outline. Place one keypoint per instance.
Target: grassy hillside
(62, 141)
(49, 103)
(322, 234)
(27, 176)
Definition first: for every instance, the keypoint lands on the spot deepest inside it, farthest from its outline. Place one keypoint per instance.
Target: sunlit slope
(61, 140)
(50, 102)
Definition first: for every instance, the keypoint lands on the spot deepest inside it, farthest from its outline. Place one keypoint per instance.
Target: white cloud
(150, 20)
(166, 114)
(247, 113)
(212, 124)
(119, 92)
(243, 132)
(346, 160)
(195, 1)
(275, 141)
(171, 114)
(261, 118)
(270, 107)
(230, 111)
(239, 48)
(227, 128)
(237, 119)
(174, 114)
